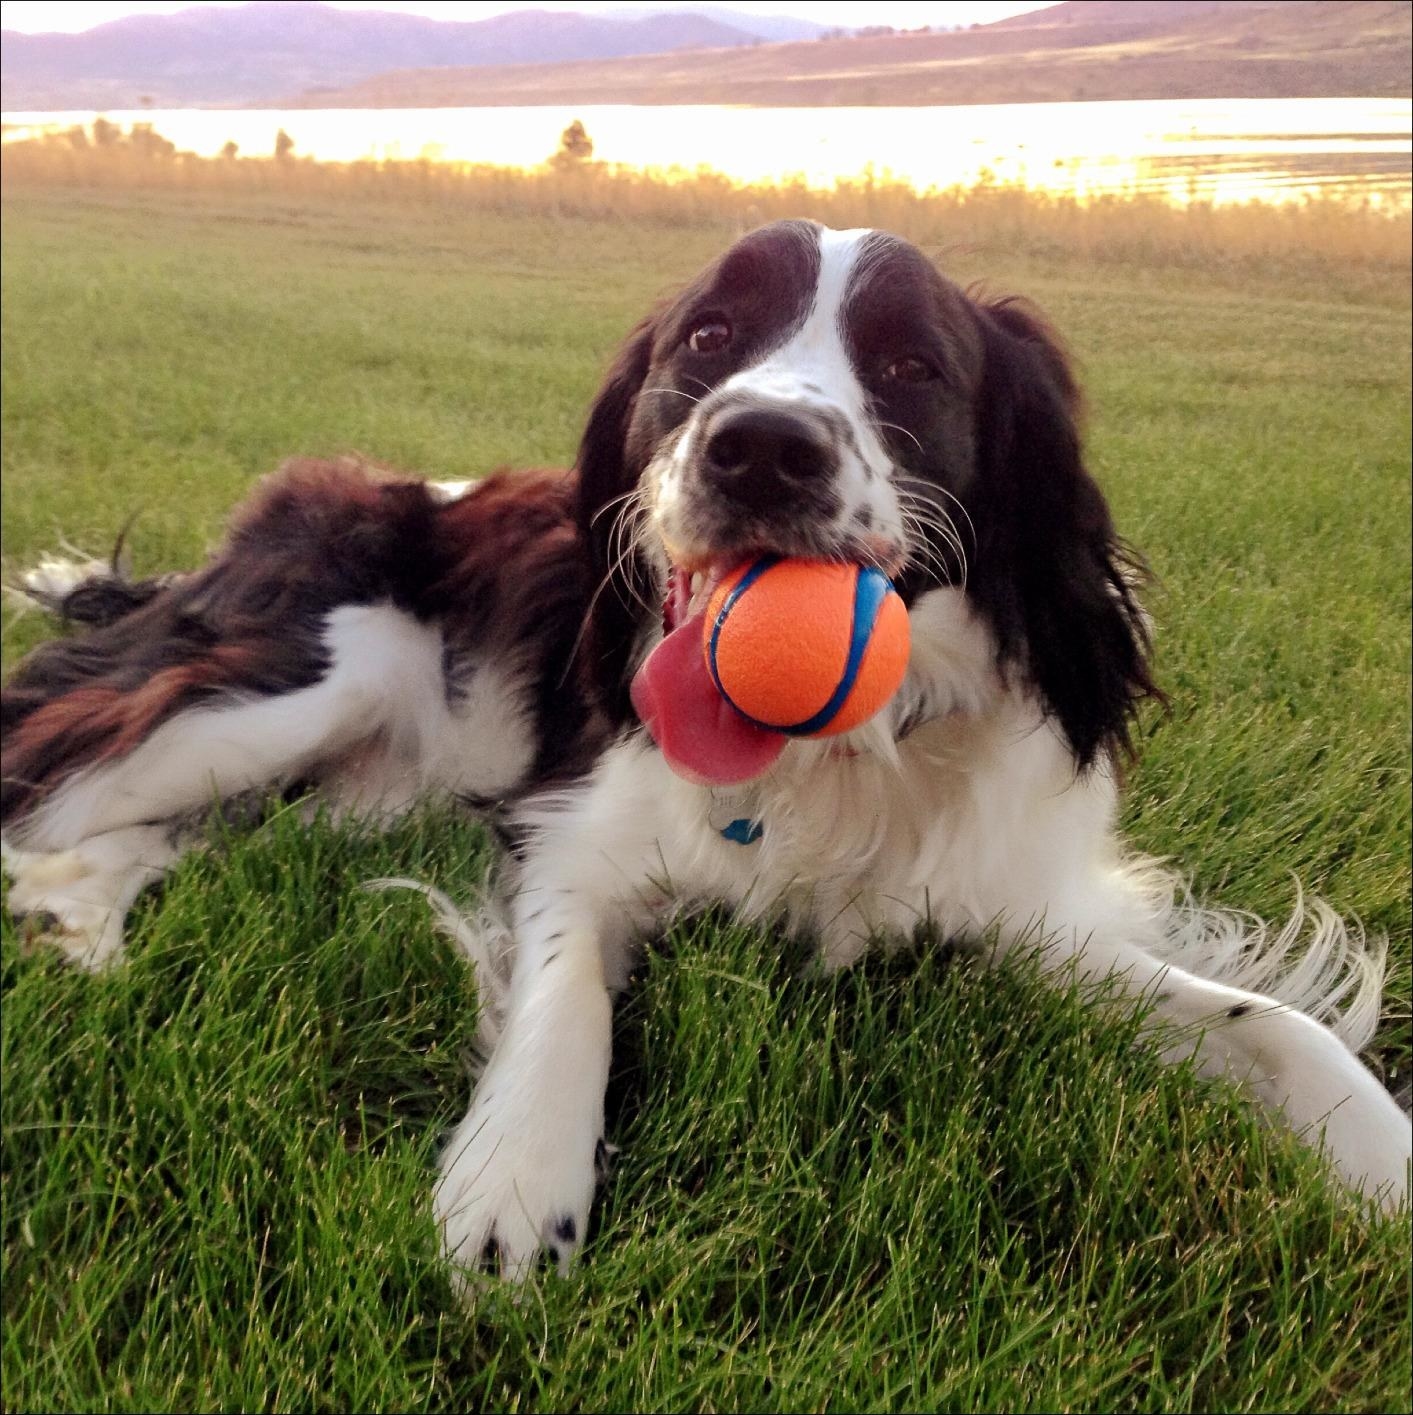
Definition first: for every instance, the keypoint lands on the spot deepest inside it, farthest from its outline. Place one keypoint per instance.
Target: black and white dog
(379, 641)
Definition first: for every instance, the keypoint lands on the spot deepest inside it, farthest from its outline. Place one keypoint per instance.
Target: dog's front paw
(517, 1182)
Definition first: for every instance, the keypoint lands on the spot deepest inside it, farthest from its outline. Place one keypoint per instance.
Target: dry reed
(1359, 240)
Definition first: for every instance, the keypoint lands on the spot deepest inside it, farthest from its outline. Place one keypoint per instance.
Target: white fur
(57, 575)
(378, 732)
(54, 578)
(519, 1170)
(445, 491)
(810, 370)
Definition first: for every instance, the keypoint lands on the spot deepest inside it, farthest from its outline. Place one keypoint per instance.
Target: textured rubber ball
(811, 648)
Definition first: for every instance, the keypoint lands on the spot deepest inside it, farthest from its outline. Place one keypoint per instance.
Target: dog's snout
(751, 454)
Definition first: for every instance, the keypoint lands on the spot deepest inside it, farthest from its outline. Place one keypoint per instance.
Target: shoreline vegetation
(1353, 242)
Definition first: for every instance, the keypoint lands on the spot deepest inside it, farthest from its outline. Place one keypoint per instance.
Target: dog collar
(743, 831)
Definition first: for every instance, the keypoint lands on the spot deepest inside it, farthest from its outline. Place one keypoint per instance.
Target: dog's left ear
(1050, 573)
(607, 476)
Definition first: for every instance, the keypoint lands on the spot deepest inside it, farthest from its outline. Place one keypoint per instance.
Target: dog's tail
(85, 592)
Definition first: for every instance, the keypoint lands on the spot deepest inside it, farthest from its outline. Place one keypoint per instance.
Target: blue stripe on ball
(871, 588)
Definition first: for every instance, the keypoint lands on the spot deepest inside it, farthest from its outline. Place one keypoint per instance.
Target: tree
(284, 145)
(146, 142)
(230, 150)
(575, 147)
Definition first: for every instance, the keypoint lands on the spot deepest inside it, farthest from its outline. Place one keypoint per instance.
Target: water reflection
(1212, 149)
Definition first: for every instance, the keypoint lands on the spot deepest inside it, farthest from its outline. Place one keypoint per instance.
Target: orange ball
(811, 648)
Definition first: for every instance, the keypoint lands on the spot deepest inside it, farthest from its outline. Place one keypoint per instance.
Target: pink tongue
(703, 738)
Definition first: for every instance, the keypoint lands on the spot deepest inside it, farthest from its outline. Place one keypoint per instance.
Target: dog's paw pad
(510, 1200)
(490, 1260)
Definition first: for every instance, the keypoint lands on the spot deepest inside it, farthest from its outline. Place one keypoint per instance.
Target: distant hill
(267, 50)
(1082, 50)
(762, 26)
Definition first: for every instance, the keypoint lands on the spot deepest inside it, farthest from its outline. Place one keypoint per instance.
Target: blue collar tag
(743, 831)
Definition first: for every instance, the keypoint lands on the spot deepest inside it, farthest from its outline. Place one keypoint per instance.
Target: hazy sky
(35, 16)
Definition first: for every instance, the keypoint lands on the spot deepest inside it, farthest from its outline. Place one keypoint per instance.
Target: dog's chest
(843, 841)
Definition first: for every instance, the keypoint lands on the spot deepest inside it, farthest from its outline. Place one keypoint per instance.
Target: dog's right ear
(1050, 572)
(620, 581)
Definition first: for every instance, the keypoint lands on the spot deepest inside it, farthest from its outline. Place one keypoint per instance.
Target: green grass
(919, 1186)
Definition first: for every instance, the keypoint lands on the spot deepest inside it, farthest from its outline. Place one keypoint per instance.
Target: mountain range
(1080, 51)
(297, 54)
(268, 50)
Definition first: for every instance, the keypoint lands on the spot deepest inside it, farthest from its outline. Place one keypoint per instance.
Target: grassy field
(919, 1186)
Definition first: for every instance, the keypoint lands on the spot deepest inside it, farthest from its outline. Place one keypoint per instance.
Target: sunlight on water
(1213, 149)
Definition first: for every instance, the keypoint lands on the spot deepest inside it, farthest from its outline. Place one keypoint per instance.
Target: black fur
(1050, 573)
(619, 588)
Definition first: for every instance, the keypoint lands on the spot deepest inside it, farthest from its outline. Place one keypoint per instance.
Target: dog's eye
(910, 370)
(710, 336)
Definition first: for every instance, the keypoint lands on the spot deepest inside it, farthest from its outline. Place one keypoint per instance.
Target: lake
(1214, 149)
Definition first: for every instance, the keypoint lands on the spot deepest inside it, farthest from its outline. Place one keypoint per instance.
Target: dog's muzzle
(757, 457)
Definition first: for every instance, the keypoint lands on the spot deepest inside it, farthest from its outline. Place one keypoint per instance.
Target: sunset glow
(1211, 149)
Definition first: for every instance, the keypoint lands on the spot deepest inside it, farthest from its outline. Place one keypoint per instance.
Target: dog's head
(829, 394)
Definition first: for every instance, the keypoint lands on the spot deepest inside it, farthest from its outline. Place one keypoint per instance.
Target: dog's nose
(753, 455)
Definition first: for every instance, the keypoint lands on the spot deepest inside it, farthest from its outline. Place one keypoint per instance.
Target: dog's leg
(78, 899)
(1291, 1063)
(109, 829)
(378, 659)
(519, 1172)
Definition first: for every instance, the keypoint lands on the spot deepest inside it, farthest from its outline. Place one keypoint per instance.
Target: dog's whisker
(933, 527)
(926, 491)
(632, 522)
(627, 536)
(927, 523)
(609, 505)
(897, 427)
(676, 393)
(928, 558)
(928, 519)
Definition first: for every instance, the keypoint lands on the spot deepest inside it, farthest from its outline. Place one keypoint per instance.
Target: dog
(521, 644)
